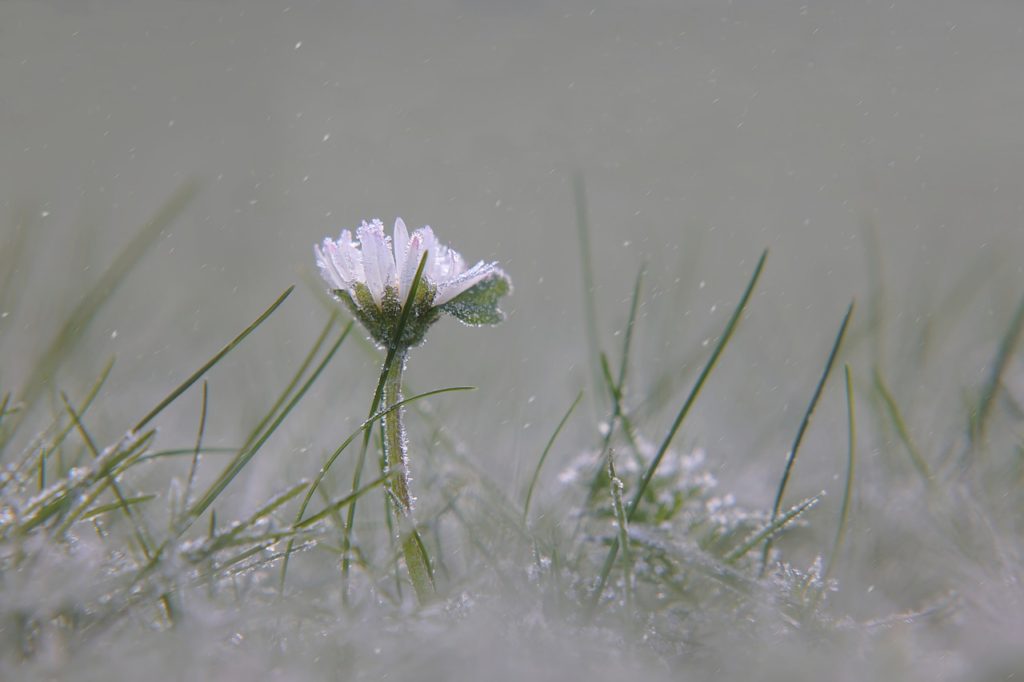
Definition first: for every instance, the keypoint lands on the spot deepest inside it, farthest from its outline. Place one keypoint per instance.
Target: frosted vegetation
(621, 555)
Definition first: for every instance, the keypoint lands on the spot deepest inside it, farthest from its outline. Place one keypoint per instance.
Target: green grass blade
(587, 271)
(851, 456)
(314, 350)
(246, 455)
(773, 528)
(185, 385)
(627, 343)
(140, 532)
(1007, 347)
(41, 451)
(544, 455)
(916, 459)
(194, 466)
(335, 506)
(804, 423)
(363, 428)
(114, 506)
(648, 474)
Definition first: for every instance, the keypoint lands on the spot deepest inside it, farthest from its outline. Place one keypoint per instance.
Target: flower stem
(397, 471)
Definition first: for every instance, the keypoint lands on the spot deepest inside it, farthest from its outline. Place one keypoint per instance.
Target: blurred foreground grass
(117, 556)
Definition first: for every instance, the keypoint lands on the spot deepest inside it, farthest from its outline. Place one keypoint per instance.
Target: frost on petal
(347, 259)
(444, 265)
(333, 252)
(401, 245)
(327, 268)
(412, 262)
(449, 289)
(378, 263)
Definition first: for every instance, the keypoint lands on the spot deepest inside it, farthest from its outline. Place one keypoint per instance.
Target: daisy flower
(372, 275)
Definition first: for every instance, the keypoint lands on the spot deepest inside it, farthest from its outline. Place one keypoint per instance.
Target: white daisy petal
(332, 253)
(401, 245)
(350, 261)
(378, 263)
(412, 262)
(327, 269)
(431, 246)
(451, 288)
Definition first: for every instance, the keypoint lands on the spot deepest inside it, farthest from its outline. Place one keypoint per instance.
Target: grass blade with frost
(246, 455)
(363, 428)
(680, 416)
(804, 423)
(772, 529)
(140, 532)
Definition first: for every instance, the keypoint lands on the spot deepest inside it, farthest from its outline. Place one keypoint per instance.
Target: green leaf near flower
(479, 304)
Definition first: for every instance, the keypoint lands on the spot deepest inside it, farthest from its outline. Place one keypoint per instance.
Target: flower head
(375, 276)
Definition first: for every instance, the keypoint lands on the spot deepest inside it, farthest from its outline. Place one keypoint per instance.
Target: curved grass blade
(114, 506)
(804, 423)
(1007, 347)
(648, 474)
(916, 459)
(579, 193)
(544, 454)
(245, 455)
(191, 480)
(184, 386)
(296, 378)
(141, 533)
(363, 428)
(844, 507)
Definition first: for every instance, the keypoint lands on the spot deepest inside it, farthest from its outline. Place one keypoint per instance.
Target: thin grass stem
(648, 474)
(804, 423)
(851, 456)
(544, 455)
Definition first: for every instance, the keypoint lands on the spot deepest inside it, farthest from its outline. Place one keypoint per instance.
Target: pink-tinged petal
(448, 290)
(412, 262)
(327, 269)
(431, 246)
(401, 245)
(378, 262)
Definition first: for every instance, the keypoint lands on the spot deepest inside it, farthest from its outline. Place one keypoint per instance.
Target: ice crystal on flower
(373, 275)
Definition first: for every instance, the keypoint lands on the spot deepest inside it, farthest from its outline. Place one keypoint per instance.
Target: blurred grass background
(875, 148)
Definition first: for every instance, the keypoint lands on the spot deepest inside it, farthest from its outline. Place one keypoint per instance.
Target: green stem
(397, 482)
